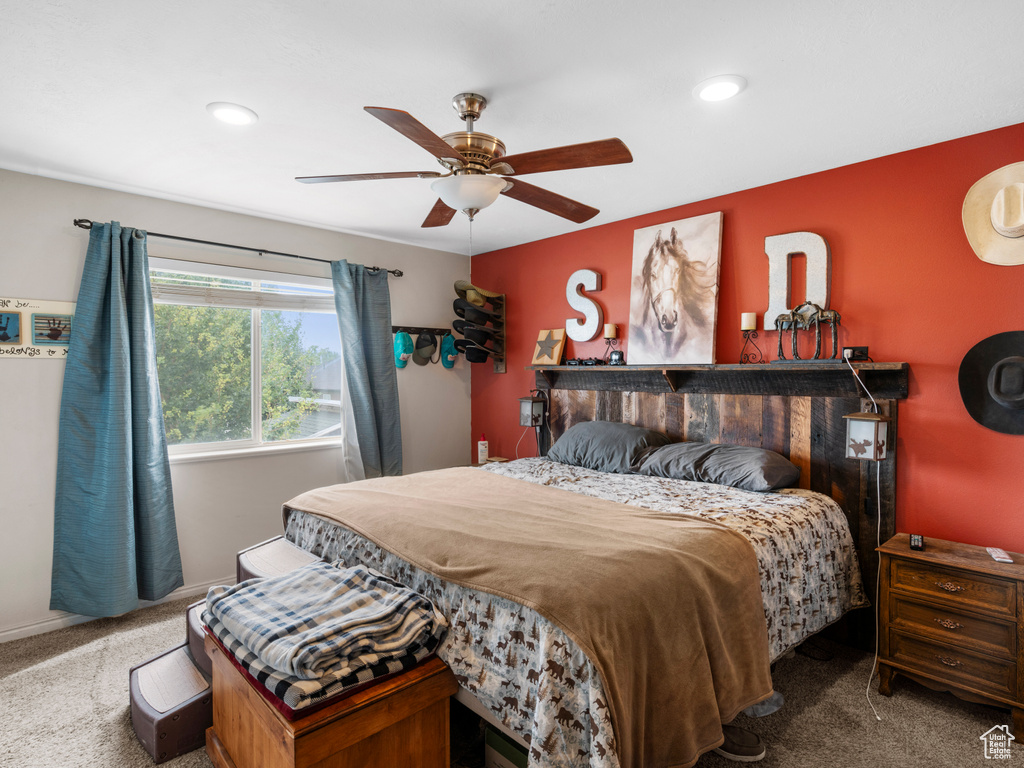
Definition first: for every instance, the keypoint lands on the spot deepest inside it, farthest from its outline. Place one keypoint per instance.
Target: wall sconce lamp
(611, 338)
(867, 436)
(531, 413)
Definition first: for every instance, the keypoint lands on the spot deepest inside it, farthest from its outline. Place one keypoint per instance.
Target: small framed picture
(549, 347)
(51, 330)
(10, 327)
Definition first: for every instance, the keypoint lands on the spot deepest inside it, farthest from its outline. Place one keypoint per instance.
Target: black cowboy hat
(992, 382)
(476, 353)
(478, 333)
(475, 315)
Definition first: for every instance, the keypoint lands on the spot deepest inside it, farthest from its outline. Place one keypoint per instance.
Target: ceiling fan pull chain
(471, 238)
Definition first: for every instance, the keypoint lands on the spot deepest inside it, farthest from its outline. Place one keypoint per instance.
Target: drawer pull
(949, 586)
(949, 662)
(948, 623)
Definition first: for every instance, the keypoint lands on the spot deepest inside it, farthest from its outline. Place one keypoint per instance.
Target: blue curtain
(115, 540)
(364, 317)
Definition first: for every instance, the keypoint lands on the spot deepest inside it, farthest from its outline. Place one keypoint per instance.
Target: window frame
(253, 301)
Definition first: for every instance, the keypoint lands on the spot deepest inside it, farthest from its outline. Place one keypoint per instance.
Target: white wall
(222, 505)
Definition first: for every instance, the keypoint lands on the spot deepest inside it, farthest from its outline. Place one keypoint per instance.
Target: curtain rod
(86, 224)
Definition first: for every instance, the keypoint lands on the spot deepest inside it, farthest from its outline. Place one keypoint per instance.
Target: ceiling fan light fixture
(719, 88)
(468, 191)
(232, 114)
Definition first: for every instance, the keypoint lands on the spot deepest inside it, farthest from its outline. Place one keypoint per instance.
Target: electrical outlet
(855, 353)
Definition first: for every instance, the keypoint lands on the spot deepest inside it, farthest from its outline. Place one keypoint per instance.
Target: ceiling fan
(478, 170)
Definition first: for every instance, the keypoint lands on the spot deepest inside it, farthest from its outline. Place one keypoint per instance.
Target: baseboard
(62, 619)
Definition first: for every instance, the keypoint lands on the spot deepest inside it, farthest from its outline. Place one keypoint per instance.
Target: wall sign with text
(35, 329)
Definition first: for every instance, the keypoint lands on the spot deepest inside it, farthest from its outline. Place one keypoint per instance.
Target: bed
(530, 677)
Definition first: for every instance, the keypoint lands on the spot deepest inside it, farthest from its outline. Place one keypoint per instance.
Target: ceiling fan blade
(413, 129)
(439, 215)
(369, 176)
(588, 155)
(549, 201)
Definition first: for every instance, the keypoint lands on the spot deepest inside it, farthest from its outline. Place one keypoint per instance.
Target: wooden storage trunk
(401, 721)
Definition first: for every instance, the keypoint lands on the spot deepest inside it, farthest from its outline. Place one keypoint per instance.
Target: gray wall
(222, 504)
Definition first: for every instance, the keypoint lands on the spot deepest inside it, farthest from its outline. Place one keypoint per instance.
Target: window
(245, 358)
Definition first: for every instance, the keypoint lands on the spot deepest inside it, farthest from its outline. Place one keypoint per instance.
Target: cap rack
(416, 330)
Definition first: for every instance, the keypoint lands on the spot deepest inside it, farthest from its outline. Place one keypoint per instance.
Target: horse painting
(673, 300)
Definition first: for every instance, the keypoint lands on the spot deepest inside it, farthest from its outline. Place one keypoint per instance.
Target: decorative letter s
(593, 316)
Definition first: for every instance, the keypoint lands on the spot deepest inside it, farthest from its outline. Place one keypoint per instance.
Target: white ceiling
(113, 92)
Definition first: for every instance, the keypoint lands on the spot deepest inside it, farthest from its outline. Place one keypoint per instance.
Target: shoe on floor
(772, 704)
(741, 745)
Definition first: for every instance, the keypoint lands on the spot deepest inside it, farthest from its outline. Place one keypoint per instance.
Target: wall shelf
(799, 378)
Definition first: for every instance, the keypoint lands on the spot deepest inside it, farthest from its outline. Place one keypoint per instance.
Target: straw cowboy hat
(992, 382)
(475, 295)
(994, 216)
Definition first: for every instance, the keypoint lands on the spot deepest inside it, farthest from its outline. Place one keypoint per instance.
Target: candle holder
(748, 326)
(755, 355)
(609, 343)
(611, 339)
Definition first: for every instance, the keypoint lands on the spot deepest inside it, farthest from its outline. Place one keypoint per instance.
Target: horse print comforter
(534, 677)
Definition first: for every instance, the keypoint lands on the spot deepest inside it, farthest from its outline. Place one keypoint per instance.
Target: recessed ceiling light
(719, 88)
(233, 114)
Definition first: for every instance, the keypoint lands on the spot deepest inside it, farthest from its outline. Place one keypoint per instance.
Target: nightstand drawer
(947, 625)
(969, 590)
(955, 665)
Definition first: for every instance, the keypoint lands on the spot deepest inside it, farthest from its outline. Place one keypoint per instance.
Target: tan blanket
(667, 607)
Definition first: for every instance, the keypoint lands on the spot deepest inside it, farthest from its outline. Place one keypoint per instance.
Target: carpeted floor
(64, 702)
(64, 694)
(826, 720)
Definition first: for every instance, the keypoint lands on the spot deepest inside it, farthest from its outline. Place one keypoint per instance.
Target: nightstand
(952, 618)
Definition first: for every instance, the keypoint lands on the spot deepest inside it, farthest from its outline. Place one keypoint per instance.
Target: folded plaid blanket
(321, 622)
(299, 694)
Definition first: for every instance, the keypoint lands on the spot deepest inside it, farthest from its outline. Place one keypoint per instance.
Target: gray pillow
(604, 445)
(740, 466)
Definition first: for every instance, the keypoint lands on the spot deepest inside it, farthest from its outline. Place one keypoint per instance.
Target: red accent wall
(904, 279)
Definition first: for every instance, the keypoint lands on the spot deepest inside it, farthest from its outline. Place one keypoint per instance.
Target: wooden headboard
(794, 409)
